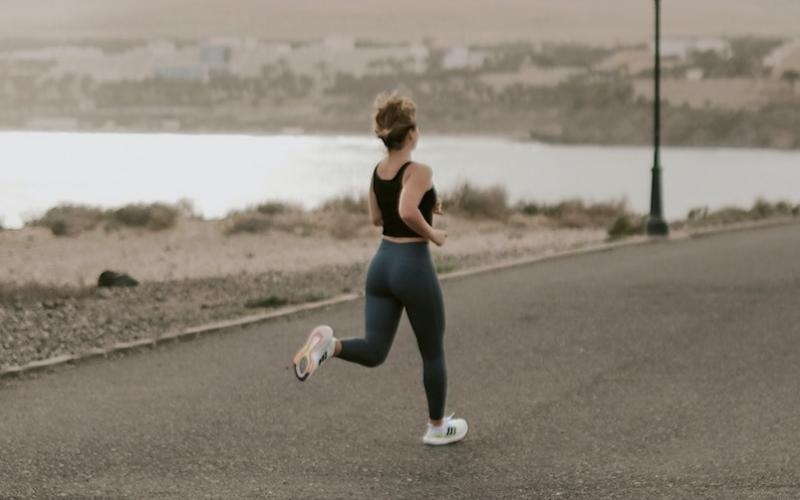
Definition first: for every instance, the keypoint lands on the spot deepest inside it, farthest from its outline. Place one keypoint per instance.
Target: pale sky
(596, 21)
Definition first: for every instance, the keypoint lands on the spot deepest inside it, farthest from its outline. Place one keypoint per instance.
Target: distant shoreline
(350, 133)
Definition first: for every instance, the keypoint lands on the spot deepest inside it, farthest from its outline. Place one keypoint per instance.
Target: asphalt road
(667, 370)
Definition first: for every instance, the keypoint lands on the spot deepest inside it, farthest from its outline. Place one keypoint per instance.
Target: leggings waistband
(410, 249)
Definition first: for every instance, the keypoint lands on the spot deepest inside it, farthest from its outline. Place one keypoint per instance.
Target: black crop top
(387, 193)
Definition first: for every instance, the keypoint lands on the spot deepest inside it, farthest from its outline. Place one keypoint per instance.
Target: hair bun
(394, 116)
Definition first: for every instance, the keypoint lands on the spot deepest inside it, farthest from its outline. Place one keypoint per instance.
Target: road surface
(667, 370)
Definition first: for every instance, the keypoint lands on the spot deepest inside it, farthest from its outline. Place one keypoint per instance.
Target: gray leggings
(402, 275)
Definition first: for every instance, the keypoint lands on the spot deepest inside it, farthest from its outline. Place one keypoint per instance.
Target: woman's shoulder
(420, 172)
(420, 169)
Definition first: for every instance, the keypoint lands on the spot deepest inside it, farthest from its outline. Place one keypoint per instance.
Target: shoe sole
(448, 440)
(303, 362)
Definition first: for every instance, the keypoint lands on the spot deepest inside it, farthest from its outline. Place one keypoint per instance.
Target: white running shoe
(318, 348)
(451, 430)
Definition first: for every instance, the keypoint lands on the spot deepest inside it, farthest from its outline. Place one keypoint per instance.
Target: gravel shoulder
(193, 275)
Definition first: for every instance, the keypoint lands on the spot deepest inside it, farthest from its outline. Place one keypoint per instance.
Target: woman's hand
(437, 209)
(438, 237)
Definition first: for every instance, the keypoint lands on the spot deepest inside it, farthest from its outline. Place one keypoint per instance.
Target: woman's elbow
(408, 215)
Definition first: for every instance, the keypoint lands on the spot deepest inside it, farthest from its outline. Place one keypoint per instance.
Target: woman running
(401, 273)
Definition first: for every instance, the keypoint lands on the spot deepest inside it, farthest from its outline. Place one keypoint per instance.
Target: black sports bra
(387, 193)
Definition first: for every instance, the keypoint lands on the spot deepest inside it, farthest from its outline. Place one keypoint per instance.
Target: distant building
(784, 58)
(680, 48)
(636, 61)
(461, 57)
(24, 68)
(215, 56)
(630, 61)
(529, 75)
(161, 47)
(249, 56)
(334, 57)
(694, 74)
(183, 73)
(339, 43)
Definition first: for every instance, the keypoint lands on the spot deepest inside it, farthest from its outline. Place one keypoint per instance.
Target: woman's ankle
(337, 348)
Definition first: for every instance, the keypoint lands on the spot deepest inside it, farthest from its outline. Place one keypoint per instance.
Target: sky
(593, 21)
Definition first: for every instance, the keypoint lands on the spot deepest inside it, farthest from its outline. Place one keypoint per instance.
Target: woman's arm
(374, 209)
(419, 181)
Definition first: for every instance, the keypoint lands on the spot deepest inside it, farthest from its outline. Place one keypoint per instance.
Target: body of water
(220, 173)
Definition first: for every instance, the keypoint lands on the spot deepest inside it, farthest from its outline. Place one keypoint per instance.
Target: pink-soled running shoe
(318, 348)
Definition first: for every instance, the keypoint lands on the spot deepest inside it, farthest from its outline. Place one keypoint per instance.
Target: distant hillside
(595, 21)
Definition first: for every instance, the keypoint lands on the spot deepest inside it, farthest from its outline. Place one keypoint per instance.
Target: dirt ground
(200, 249)
(196, 274)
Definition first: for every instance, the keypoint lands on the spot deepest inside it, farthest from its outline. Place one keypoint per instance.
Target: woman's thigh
(419, 291)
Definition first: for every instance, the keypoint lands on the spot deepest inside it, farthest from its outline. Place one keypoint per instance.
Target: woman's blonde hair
(393, 117)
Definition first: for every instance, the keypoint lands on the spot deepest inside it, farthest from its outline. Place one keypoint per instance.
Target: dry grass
(615, 216)
(627, 225)
(266, 217)
(15, 293)
(300, 297)
(277, 207)
(577, 214)
(347, 204)
(266, 302)
(71, 220)
(156, 216)
(760, 210)
(343, 217)
(475, 202)
(249, 222)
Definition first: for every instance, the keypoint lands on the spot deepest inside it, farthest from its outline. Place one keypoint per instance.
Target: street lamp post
(656, 226)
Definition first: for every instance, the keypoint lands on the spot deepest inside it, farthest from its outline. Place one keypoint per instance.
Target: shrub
(249, 222)
(530, 208)
(299, 297)
(726, 215)
(155, 216)
(185, 208)
(276, 207)
(626, 225)
(11, 293)
(782, 207)
(490, 202)
(266, 302)
(346, 226)
(575, 213)
(313, 295)
(697, 213)
(347, 203)
(344, 216)
(68, 220)
(761, 209)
